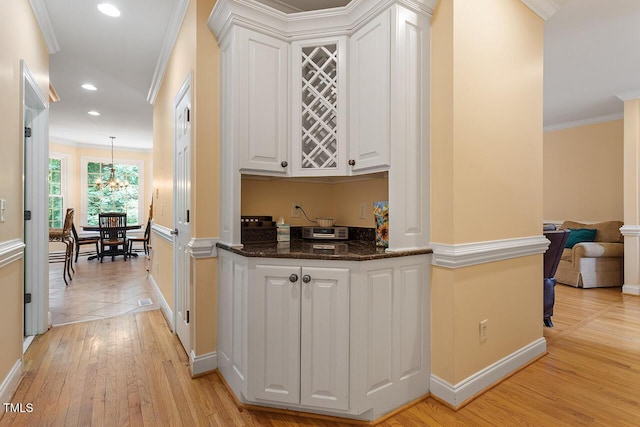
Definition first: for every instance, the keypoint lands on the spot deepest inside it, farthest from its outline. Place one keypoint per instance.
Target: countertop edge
(330, 257)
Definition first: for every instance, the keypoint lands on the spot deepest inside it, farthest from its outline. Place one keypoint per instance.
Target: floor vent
(145, 301)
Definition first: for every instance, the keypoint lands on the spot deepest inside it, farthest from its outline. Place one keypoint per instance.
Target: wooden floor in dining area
(100, 290)
(130, 370)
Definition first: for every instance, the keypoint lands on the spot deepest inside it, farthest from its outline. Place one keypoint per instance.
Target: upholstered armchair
(597, 263)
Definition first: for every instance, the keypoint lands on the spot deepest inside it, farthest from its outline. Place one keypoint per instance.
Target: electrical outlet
(484, 329)
(295, 211)
(363, 210)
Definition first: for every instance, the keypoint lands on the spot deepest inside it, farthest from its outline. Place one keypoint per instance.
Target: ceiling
(592, 53)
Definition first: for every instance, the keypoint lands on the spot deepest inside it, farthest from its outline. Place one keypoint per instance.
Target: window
(106, 200)
(56, 211)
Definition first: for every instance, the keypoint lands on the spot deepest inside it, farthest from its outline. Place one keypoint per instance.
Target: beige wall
(195, 53)
(340, 200)
(21, 40)
(583, 173)
(486, 171)
(73, 155)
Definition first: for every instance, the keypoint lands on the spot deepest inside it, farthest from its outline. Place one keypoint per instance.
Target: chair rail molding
(203, 247)
(467, 254)
(10, 251)
(162, 232)
(630, 230)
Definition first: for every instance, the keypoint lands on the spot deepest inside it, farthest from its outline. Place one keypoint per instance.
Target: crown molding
(170, 37)
(42, 16)
(628, 96)
(584, 122)
(467, 254)
(293, 26)
(545, 9)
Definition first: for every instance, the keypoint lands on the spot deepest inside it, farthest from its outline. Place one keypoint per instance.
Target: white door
(324, 344)
(181, 214)
(275, 336)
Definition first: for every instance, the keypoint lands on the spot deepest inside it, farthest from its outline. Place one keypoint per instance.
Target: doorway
(35, 117)
(181, 209)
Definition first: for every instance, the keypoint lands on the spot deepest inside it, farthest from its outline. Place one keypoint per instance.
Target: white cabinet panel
(262, 105)
(370, 56)
(275, 342)
(324, 347)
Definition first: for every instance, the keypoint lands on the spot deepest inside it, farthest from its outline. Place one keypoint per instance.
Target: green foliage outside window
(107, 200)
(55, 213)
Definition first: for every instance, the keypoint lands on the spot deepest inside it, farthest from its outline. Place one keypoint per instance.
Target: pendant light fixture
(113, 183)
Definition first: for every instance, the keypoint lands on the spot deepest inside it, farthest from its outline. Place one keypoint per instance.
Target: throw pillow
(580, 235)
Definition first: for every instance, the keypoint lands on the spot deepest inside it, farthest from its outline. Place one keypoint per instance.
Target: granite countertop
(348, 250)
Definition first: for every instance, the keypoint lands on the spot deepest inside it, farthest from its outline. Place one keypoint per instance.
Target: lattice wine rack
(319, 106)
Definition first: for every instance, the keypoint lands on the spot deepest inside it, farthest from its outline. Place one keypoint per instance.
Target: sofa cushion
(607, 231)
(580, 235)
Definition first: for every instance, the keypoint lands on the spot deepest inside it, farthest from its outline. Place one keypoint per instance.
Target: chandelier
(112, 183)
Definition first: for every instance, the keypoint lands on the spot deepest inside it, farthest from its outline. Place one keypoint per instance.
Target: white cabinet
(347, 338)
(369, 120)
(300, 335)
(319, 107)
(261, 81)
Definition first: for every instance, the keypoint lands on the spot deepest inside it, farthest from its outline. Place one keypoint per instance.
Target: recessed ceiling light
(89, 86)
(109, 9)
(93, 113)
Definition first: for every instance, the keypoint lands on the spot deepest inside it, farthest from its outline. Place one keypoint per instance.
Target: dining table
(97, 228)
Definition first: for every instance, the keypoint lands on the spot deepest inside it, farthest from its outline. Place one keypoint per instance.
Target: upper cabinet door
(261, 124)
(319, 107)
(369, 121)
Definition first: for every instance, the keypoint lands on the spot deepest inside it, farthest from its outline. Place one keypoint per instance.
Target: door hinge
(27, 132)
(27, 298)
(188, 115)
(27, 215)
(187, 215)
(187, 316)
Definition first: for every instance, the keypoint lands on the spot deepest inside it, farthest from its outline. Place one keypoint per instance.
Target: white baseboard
(10, 383)
(481, 380)
(204, 363)
(168, 312)
(631, 289)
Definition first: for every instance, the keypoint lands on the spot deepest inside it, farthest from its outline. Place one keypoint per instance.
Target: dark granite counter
(349, 250)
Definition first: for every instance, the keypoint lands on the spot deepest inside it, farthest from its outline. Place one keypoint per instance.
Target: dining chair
(144, 240)
(113, 234)
(88, 240)
(63, 235)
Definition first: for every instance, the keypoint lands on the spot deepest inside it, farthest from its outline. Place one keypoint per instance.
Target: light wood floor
(130, 370)
(100, 290)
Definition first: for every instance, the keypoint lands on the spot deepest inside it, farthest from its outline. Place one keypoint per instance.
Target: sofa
(593, 264)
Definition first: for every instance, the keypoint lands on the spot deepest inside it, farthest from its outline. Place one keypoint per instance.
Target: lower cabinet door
(324, 346)
(275, 334)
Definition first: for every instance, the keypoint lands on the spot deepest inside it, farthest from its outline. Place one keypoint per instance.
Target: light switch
(3, 209)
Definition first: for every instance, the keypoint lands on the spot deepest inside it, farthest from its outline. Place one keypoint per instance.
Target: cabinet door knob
(284, 163)
(293, 278)
(352, 162)
(306, 278)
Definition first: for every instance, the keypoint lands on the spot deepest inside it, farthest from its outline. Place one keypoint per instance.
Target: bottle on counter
(284, 231)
